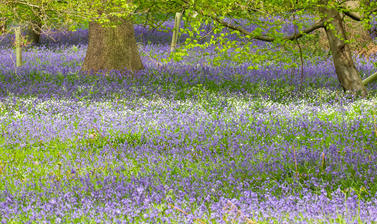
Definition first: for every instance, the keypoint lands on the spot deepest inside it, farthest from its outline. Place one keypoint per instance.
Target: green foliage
(267, 17)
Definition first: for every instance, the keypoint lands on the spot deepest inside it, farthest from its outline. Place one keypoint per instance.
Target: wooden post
(371, 78)
(177, 23)
(18, 46)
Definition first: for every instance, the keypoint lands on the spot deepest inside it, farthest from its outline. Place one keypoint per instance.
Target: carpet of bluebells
(181, 142)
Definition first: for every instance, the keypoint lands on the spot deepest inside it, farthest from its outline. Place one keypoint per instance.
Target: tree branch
(356, 17)
(352, 15)
(315, 26)
(27, 4)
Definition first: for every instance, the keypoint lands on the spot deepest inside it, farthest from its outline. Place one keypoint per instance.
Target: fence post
(177, 23)
(18, 46)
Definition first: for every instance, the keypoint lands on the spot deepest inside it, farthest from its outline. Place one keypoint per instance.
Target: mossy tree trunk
(112, 48)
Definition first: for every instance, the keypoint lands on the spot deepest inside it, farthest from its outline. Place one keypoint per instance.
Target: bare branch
(27, 4)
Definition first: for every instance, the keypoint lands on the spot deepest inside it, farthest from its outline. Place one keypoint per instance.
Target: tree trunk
(112, 49)
(345, 68)
(3, 25)
(34, 29)
(34, 33)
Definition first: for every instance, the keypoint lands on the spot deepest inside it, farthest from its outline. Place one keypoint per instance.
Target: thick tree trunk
(112, 49)
(345, 68)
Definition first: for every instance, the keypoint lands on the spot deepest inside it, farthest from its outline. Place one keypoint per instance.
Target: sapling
(17, 33)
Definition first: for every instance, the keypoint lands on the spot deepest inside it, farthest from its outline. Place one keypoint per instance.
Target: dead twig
(108, 142)
(176, 208)
(230, 206)
(294, 155)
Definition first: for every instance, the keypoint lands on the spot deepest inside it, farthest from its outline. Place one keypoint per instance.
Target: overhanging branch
(351, 14)
(315, 26)
(354, 15)
(26, 4)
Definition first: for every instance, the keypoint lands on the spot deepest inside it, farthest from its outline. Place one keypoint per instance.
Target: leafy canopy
(205, 22)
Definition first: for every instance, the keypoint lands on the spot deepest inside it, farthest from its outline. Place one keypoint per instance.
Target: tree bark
(370, 79)
(112, 48)
(3, 25)
(34, 33)
(345, 68)
(34, 29)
